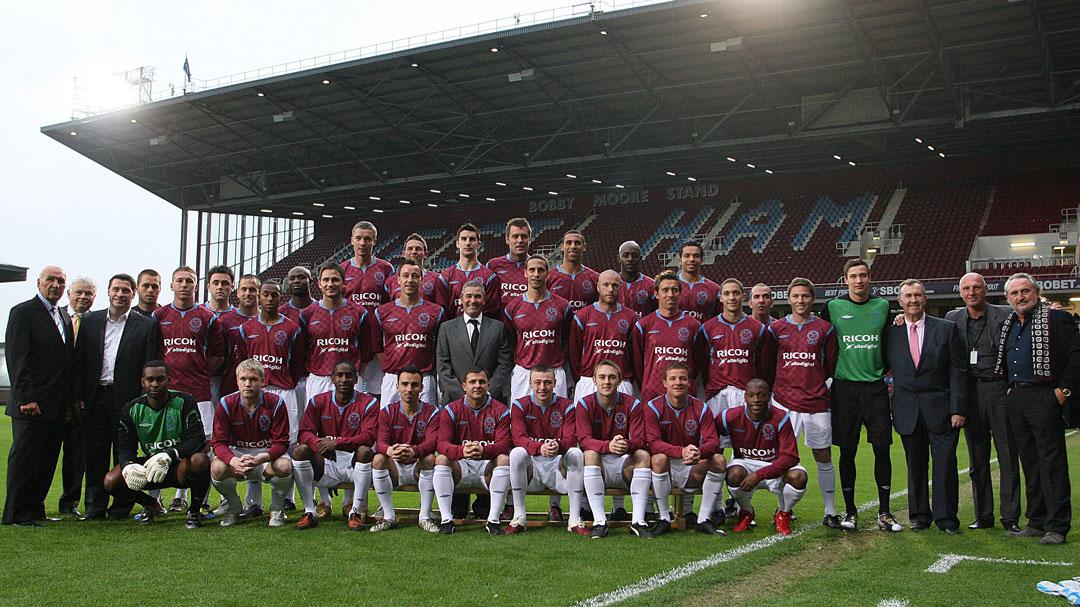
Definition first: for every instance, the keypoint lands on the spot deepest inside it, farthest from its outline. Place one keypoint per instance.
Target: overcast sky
(60, 208)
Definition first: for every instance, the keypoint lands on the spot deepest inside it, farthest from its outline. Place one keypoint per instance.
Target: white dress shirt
(114, 330)
(469, 326)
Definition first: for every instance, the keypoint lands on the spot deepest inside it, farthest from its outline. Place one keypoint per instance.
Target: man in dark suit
(980, 327)
(472, 340)
(930, 380)
(40, 349)
(1039, 356)
(82, 290)
(112, 347)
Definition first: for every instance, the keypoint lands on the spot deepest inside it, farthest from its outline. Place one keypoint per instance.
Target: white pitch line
(894, 603)
(948, 561)
(662, 579)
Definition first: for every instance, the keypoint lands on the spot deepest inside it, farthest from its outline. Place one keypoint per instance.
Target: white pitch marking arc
(894, 603)
(948, 561)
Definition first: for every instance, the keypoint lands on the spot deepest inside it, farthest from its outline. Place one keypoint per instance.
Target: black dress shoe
(981, 525)
(1010, 526)
(29, 524)
(115, 516)
(918, 526)
(93, 516)
(49, 519)
(952, 531)
(70, 511)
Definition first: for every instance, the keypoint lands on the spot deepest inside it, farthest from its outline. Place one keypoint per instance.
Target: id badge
(974, 358)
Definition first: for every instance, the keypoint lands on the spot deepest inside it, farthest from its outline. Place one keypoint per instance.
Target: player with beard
(573, 280)
(637, 293)
(601, 331)
(700, 296)
(510, 268)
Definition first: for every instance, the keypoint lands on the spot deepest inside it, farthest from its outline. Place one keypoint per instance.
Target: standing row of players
(383, 321)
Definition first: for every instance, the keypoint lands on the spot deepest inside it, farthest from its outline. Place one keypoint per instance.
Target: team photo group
(486, 382)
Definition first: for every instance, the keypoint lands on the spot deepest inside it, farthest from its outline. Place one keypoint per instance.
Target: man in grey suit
(930, 380)
(980, 327)
(472, 340)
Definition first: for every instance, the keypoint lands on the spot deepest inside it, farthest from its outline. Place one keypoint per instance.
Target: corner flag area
(122, 562)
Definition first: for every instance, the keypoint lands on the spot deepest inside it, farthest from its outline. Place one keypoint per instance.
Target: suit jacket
(139, 343)
(454, 356)
(995, 316)
(39, 361)
(938, 387)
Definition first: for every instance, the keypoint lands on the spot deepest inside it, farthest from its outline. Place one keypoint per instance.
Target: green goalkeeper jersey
(860, 332)
(175, 429)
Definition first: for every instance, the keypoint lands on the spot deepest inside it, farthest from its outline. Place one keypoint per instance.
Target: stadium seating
(1028, 203)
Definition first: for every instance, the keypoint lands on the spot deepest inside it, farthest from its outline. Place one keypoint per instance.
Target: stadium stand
(1030, 202)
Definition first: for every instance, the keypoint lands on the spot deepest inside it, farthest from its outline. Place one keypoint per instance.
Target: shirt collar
(49, 306)
(466, 318)
(919, 323)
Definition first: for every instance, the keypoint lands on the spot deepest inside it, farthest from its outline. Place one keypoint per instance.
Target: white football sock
(324, 496)
(278, 488)
(688, 504)
(742, 498)
(427, 494)
(181, 494)
(792, 497)
(661, 486)
(826, 478)
(384, 490)
(442, 480)
(639, 494)
(305, 482)
(254, 494)
(617, 501)
(500, 482)
(554, 501)
(594, 490)
(155, 493)
(575, 487)
(519, 479)
(710, 492)
(361, 483)
(227, 489)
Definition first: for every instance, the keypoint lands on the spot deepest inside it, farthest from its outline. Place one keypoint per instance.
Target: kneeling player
(542, 427)
(251, 437)
(611, 430)
(685, 449)
(474, 442)
(405, 449)
(765, 456)
(167, 426)
(336, 434)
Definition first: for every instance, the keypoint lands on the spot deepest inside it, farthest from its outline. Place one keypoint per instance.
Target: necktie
(913, 344)
(58, 321)
(76, 318)
(474, 340)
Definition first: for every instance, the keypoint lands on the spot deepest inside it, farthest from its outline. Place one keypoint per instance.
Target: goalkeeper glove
(134, 476)
(157, 467)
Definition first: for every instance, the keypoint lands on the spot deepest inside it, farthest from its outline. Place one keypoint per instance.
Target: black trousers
(1036, 422)
(919, 446)
(100, 423)
(35, 447)
(987, 419)
(73, 464)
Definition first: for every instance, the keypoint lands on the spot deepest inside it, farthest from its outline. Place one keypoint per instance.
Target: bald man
(637, 289)
(602, 331)
(40, 348)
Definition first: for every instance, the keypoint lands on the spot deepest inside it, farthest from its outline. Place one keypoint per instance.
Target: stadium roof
(619, 97)
(11, 273)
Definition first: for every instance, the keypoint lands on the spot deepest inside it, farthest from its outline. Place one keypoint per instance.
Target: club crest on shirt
(620, 420)
(812, 337)
(684, 334)
(768, 432)
(380, 278)
(691, 427)
(354, 420)
(172, 422)
(623, 326)
(346, 322)
(586, 286)
(424, 319)
(746, 336)
(642, 296)
(556, 419)
(264, 422)
(195, 324)
(489, 425)
(551, 313)
(427, 288)
(702, 297)
(419, 428)
(280, 338)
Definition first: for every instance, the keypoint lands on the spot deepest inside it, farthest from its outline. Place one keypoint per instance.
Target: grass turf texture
(102, 563)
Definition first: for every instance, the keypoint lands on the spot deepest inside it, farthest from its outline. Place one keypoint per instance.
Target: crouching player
(250, 441)
(167, 426)
(405, 449)
(611, 431)
(765, 456)
(335, 444)
(686, 453)
(542, 428)
(474, 443)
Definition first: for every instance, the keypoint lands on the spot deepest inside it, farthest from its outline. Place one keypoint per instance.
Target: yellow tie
(75, 318)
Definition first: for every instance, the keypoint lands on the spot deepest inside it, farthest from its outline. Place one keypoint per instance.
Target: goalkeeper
(166, 426)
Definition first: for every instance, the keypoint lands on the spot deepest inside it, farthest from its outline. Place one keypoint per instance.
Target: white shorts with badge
(774, 485)
(406, 474)
(289, 398)
(680, 474)
(336, 472)
(585, 386)
(372, 377)
(519, 383)
(256, 473)
(613, 467)
(429, 393)
(473, 473)
(316, 385)
(723, 400)
(206, 414)
(547, 475)
(816, 428)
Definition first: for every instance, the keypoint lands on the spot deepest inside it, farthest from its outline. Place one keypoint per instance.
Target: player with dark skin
(758, 395)
(344, 380)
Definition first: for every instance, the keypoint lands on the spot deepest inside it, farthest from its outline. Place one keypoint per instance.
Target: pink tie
(913, 344)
